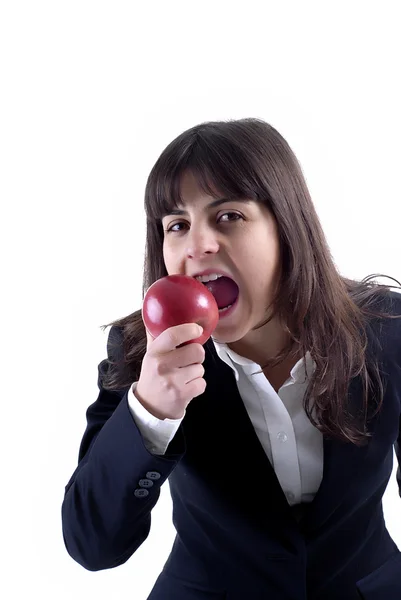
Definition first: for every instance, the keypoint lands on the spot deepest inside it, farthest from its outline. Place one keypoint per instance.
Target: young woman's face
(237, 237)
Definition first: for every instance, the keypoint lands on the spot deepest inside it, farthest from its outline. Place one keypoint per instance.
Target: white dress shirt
(292, 444)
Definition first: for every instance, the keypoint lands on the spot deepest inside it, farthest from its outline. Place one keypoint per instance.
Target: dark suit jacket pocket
(384, 583)
(169, 587)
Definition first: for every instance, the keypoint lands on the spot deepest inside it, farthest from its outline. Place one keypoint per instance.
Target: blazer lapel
(237, 451)
(239, 448)
(340, 465)
(344, 461)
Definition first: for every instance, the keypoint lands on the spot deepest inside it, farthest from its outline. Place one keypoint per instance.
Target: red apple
(177, 299)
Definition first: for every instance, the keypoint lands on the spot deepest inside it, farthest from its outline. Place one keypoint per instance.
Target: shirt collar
(232, 359)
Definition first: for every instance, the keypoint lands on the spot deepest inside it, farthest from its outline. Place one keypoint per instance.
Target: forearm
(104, 520)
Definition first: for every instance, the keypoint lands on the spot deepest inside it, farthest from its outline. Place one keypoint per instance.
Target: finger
(193, 372)
(189, 354)
(174, 336)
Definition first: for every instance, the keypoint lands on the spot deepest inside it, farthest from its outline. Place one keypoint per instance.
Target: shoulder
(386, 329)
(115, 342)
(390, 301)
(395, 302)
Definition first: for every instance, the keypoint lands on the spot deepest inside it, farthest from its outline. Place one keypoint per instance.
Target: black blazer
(237, 538)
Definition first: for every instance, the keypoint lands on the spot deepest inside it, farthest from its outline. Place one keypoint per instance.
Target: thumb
(149, 338)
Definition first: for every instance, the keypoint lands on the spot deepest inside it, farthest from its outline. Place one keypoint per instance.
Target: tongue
(224, 290)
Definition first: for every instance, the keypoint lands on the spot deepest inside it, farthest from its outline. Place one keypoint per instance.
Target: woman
(277, 435)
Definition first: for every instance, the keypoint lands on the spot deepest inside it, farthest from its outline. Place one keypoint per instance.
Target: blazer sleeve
(106, 511)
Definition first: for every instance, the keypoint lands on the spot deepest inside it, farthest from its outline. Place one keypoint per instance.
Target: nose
(201, 242)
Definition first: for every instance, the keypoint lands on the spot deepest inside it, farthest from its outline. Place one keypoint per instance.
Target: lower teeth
(224, 309)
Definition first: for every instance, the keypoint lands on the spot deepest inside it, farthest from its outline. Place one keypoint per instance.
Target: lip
(228, 312)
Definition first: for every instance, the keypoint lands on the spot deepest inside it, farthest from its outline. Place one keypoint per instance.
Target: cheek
(169, 259)
(165, 256)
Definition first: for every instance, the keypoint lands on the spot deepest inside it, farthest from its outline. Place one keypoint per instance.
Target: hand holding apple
(172, 372)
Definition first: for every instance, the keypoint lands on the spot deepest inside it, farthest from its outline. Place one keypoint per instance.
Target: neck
(261, 345)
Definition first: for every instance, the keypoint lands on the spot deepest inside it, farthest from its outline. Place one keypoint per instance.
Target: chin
(227, 339)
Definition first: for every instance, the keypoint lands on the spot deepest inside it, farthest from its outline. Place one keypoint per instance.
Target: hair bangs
(219, 166)
(221, 171)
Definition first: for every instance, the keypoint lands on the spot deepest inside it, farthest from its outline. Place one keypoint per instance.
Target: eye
(238, 216)
(170, 229)
(231, 213)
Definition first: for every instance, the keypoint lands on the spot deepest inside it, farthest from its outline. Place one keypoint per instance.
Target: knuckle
(169, 388)
(199, 353)
(161, 368)
(172, 337)
(199, 388)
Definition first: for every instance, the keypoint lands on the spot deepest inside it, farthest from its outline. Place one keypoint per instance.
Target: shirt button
(282, 437)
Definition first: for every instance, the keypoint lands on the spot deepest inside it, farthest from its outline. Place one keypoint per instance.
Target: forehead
(190, 189)
(193, 194)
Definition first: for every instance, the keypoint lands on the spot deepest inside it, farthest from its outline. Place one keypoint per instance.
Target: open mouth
(225, 292)
(227, 310)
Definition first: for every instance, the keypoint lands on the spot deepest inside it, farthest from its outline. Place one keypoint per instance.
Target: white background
(91, 93)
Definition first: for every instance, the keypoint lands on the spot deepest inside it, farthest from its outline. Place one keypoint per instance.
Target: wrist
(155, 412)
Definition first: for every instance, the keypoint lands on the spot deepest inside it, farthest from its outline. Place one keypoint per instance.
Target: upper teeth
(205, 278)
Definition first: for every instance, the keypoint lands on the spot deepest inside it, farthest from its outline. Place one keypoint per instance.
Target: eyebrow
(213, 204)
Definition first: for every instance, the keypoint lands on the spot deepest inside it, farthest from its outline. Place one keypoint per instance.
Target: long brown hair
(324, 312)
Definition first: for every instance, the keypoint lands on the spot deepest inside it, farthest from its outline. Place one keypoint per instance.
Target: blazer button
(141, 493)
(145, 483)
(153, 475)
